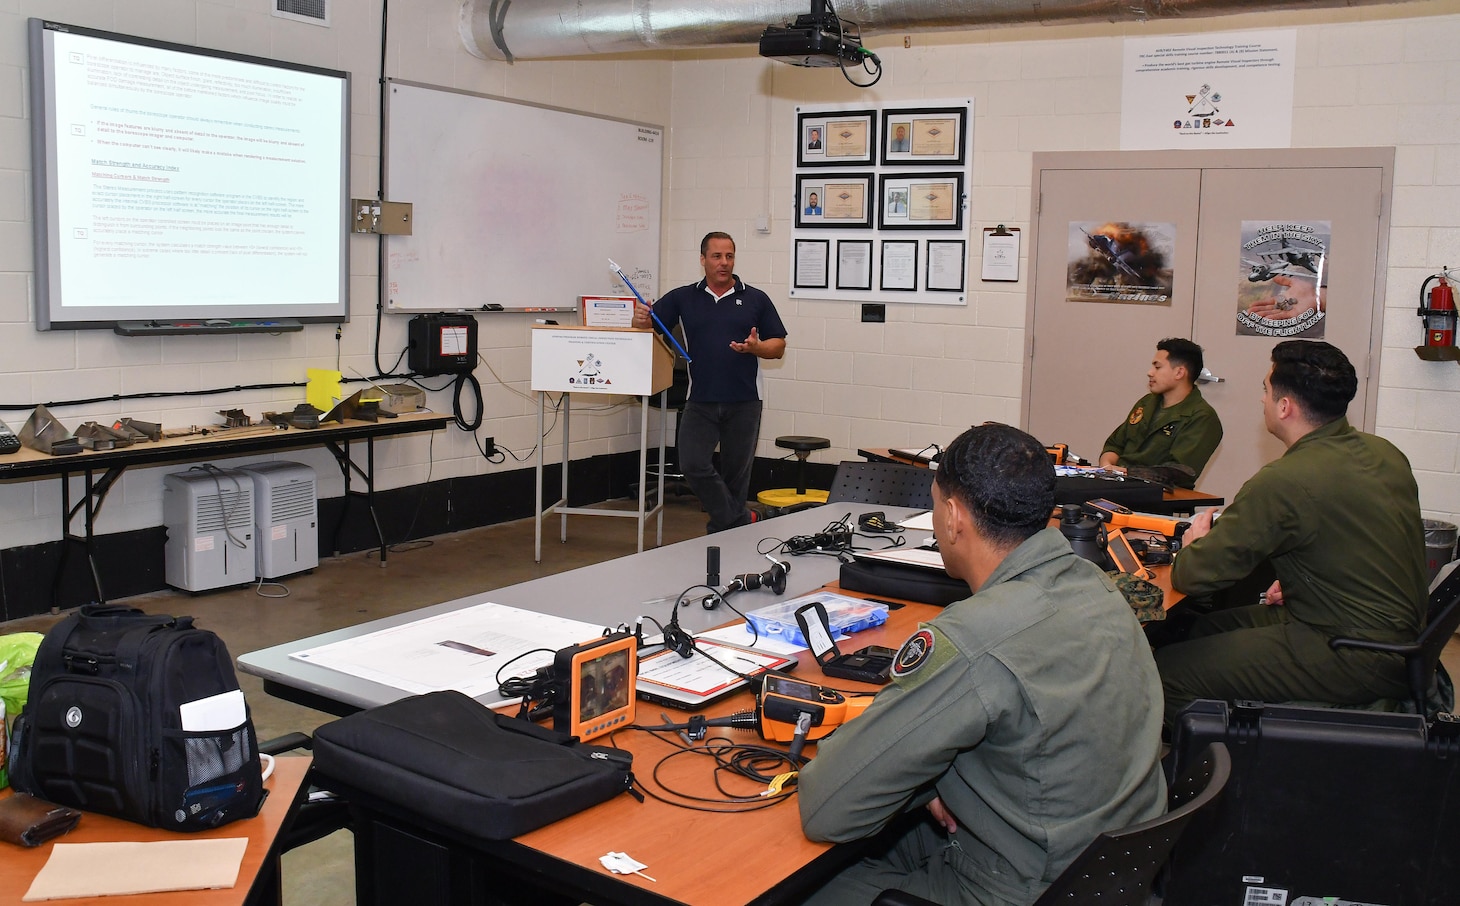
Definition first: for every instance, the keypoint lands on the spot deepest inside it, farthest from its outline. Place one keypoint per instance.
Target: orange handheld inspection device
(595, 686)
(1123, 517)
(795, 712)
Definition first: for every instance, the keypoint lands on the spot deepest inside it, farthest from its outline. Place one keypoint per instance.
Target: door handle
(1206, 377)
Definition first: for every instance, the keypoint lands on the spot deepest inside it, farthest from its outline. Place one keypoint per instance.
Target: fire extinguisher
(1438, 310)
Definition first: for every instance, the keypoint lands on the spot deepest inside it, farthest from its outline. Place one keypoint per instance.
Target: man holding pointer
(728, 328)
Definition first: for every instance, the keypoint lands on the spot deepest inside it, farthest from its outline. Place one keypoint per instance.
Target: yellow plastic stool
(784, 497)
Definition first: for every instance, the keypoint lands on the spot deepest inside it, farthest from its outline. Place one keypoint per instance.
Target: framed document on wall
(854, 264)
(946, 259)
(839, 201)
(924, 136)
(844, 138)
(921, 201)
(899, 269)
(811, 263)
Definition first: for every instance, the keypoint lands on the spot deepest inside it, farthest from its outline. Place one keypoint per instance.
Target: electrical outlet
(489, 446)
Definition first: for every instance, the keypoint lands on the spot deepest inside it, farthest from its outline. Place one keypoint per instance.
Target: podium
(620, 361)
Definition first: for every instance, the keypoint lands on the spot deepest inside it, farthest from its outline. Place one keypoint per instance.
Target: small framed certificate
(945, 265)
(899, 270)
(925, 136)
(854, 264)
(921, 201)
(606, 311)
(840, 138)
(811, 263)
(843, 201)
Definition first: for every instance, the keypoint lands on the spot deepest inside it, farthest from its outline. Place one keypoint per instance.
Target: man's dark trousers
(735, 428)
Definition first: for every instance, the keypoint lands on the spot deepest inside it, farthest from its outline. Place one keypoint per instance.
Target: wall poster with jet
(1120, 261)
(1282, 290)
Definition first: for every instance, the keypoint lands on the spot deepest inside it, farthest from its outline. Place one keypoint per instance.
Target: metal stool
(784, 497)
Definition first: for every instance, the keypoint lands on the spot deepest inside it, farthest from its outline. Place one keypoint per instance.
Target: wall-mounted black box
(442, 344)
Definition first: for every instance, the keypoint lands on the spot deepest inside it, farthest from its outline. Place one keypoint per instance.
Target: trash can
(1439, 545)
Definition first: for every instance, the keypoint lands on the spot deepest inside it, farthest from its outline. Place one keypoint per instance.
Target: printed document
(461, 650)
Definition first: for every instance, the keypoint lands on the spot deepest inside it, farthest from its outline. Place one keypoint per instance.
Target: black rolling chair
(1422, 656)
(885, 483)
(1120, 867)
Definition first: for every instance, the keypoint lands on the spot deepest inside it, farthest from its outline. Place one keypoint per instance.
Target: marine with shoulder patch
(1019, 723)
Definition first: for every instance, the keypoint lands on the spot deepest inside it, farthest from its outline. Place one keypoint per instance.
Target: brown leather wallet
(28, 821)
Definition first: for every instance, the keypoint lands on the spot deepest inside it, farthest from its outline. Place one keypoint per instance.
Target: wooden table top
(699, 857)
(19, 865)
(28, 463)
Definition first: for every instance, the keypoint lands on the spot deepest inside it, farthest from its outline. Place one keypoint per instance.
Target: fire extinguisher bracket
(1438, 353)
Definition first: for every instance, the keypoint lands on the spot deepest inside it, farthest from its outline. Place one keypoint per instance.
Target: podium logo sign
(590, 371)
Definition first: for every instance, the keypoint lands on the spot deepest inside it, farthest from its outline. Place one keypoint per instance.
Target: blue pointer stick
(624, 277)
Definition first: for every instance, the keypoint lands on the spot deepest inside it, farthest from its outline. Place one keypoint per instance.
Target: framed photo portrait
(899, 269)
(845, 138)
(854, 264)
(840, 201)
(920, 201)
(925, 136)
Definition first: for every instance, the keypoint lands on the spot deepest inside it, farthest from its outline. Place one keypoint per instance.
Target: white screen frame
(312, 286)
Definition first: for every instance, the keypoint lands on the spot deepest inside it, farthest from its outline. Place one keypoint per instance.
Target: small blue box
(845, 614)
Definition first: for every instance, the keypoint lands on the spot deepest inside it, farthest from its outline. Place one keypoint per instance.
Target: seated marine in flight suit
(1171, 429)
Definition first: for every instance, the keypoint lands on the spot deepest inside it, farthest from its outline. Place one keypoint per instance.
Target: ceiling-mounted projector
(817, 39)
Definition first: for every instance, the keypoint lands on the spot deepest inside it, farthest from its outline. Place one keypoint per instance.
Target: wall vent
(315, 12)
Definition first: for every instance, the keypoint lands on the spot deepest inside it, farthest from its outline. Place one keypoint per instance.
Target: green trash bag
(17, 653)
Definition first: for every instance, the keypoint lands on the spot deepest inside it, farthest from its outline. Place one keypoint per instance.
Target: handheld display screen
(1125, 556)
(596, 686)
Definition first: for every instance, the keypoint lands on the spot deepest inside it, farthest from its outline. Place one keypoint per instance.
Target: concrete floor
(352, 589)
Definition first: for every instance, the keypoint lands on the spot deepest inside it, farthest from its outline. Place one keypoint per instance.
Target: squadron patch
(915, 652)
(1137, 414)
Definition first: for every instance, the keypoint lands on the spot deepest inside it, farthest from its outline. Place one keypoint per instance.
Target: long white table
(608, 593)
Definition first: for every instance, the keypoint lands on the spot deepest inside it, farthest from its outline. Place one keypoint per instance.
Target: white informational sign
(568, 360)
(608, 311)
(1230, 90)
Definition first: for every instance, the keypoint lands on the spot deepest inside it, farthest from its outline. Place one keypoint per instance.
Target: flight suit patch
(915, 652)
(927, 648)
(1137, 414)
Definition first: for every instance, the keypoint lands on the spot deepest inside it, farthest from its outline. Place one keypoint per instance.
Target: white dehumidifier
(286, 518)
(210, 534)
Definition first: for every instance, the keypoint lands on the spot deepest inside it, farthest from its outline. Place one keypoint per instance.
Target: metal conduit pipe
(535, 29)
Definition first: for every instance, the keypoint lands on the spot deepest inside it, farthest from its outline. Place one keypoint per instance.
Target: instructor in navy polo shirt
(728, 328)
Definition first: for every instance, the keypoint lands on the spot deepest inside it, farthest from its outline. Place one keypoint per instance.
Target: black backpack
(102, 730)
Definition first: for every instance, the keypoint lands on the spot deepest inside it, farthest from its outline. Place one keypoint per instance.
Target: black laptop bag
(102, 729)
(452, 762)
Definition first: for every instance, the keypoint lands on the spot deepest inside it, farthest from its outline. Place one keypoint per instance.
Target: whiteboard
(516, 204)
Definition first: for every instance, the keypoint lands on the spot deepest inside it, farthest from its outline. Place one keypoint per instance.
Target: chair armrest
(1404, 648)
(288, 742)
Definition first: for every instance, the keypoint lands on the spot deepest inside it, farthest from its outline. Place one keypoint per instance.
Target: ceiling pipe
(535, 29)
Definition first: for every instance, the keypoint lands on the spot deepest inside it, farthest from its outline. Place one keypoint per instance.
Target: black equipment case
(1358, 806)
(453, 763)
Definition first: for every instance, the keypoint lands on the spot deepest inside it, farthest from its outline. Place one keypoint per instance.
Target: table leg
(89, 506)
(567, 399)
(537, 485)
(341, 451)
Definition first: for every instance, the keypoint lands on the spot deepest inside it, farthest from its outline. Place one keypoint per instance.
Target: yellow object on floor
(784, 497)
